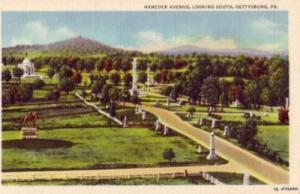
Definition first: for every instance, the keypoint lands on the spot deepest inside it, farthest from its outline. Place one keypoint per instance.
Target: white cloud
(64, 32)
(16, 41)
(155, 42)
(150, 36)
(36, 32)
(220, 43)
(271, 47)
(264, 25)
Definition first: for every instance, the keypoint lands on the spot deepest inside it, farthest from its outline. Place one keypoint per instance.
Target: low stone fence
(99, 110)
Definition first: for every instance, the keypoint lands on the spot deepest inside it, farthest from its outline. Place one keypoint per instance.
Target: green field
(276, 137)
(100, 148)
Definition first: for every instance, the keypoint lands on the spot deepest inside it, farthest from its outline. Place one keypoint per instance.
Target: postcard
(150, 96)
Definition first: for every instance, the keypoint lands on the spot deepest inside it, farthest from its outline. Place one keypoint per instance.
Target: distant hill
(188, 49)
(76, 45)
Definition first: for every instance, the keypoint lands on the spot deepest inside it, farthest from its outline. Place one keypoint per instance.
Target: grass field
(100, 148)
(276, 137)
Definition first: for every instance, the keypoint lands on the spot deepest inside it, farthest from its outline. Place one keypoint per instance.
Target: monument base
(212, 155)
(29, 133)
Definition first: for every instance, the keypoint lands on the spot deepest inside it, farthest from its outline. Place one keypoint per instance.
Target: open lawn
(276, 137)
(95, 148)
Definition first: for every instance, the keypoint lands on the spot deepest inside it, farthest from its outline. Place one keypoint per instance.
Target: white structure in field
(287, 103)
(212, 154)
(134, 88)
(28, 68)
(246, 179)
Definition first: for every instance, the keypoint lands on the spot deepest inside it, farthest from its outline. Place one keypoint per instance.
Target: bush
(166, 90)
(38, 84)
(283, 116)
(169, 154)
(53, 95)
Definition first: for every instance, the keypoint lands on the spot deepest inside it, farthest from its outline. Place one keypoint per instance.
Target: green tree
(26, 92)
(142, 77)
(38, 84)
(191, 110)
(65, 72)
(252, 93)
(127, 79)
(18, 73)
(67, 85)
(247, 132)
(6, 75)
(50, 73)
(99, 65)
(169, 154)
(210, 90)
(115, 78)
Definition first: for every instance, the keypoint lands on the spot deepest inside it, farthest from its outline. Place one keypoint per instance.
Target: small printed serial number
(285, 188)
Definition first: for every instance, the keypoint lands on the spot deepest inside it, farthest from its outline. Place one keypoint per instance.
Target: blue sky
(151, 31)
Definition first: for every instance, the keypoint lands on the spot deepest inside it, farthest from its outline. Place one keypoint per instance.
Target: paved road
(248, 162)
(115, 173)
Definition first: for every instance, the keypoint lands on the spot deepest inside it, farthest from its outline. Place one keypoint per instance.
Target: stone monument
(125, 122)
(199, 150)
(246, 179)
(212, 154)
(29, 129)
(226, 131)
(157, 125)
(144, 115)
(134, 88)
(166, 130)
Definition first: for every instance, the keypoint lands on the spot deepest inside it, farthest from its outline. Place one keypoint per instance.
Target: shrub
(283, 116)
(38, 84)
(169, 154)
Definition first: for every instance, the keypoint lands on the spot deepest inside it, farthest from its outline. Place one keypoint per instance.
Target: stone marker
(213, 123)
(212, 155)
(125, 122)
(157, 125)
(200, 122)
(166, 130)
(287, 103)
(144, 115)
(199, 150)
(168, 101)
(251, 114)
(226, 131)
(246, 179)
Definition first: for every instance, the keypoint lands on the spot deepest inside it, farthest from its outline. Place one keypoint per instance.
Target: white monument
(246, 179)
(28, 68)
(168, 101)
(144, 115)
(166, 130)
(287, 103)
(149, 81)
(125, 122)
(213, 123)
(199, 150)
(251, 114)
(212, 154)
(237, 103)
(134, 88)
(157, 125)
(226, 132)
(200, 122)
